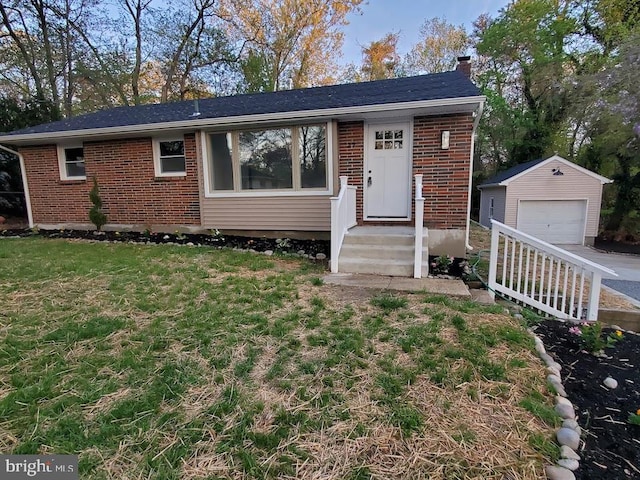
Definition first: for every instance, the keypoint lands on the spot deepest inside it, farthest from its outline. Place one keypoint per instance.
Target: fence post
(493, 259)
(594, 298)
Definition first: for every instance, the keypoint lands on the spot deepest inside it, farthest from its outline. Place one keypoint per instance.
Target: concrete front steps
(381, 251)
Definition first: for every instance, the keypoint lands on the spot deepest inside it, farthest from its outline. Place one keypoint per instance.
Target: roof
(502, 179)
(511, 172)
(452, 86)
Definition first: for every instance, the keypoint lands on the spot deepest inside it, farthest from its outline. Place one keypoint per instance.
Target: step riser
(378, 240)
(376, 252)
(380, 269)
(377, 269)
(384, 241)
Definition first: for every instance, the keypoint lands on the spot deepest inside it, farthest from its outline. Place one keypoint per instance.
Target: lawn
(172, 362)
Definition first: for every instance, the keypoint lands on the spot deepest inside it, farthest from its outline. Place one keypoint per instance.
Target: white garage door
(554, 221)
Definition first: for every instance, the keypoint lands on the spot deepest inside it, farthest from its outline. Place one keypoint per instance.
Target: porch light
(445, 140)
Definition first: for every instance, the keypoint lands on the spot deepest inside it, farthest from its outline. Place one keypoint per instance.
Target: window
(388, 139)
(169, 157)
(276, 159)
(265, 159)
(71, 162)
(491, 207)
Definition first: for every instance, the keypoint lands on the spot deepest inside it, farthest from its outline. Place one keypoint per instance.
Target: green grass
(155, 361)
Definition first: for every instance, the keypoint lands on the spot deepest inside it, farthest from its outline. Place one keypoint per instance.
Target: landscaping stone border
(568, 435)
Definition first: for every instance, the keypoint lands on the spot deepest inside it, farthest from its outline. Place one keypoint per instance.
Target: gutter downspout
(25, 185)
(473, 143)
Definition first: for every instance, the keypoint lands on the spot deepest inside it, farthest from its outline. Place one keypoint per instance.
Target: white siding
(499, 195)
(541, 184)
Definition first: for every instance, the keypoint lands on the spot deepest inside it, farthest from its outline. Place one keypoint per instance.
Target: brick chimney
(464, 66)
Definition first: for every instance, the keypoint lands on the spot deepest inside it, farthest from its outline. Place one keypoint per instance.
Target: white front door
(387, 175)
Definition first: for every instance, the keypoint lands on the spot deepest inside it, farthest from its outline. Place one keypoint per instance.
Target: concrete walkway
(454, 288)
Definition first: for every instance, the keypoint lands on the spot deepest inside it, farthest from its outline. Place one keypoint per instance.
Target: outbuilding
(552, 199)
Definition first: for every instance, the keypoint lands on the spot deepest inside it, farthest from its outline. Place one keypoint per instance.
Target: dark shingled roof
(511, 172)
(410, 89)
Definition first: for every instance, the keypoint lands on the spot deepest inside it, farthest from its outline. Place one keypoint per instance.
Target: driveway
(626, 266)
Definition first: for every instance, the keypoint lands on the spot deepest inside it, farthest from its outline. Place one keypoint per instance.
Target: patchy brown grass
(214, 366)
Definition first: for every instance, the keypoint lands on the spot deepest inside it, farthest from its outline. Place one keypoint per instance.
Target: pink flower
(575, 330)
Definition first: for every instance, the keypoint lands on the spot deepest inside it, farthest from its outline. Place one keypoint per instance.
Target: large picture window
(274, 159)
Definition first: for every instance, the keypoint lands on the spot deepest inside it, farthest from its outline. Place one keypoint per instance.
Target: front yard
(173, 362)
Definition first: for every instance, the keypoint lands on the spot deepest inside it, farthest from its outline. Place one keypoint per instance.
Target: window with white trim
(491, 207)
(71, 162)
(169, 157)
(279, 159)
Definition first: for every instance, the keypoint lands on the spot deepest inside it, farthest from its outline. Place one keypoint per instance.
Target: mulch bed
(611, 445)
(311, 247)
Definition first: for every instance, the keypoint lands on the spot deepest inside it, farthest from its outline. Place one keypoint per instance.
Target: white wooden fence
(343, 217)
(544, 276)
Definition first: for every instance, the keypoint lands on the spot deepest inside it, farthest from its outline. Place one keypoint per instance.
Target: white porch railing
(343, 217)
(419, 224)
(544, 276)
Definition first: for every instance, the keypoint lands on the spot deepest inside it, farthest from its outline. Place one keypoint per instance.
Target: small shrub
(96, 215)
(441, 265)
(634, 418)
(592, 337)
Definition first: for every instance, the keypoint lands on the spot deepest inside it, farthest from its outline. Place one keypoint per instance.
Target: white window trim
(491, 207)
(62, 161)
(303, 192)
(157, 166)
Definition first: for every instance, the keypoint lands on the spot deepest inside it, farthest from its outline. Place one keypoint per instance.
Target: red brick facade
(130, 191)
(446, 172)
(133, 195)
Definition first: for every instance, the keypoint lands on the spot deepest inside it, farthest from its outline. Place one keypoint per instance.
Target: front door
(387, 179)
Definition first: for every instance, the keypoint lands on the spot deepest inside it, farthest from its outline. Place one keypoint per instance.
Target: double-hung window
(491, 204)
(169, 157)
(279, 159)
(71, 162)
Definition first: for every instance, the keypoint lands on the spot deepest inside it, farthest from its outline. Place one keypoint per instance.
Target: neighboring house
(265, 164)
(552, 199)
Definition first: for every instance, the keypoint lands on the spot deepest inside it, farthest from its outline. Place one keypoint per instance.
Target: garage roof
(502, 179)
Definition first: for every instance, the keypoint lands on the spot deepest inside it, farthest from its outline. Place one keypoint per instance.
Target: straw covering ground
(176, 362)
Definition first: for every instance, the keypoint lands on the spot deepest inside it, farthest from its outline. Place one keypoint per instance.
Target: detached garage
(552, 199)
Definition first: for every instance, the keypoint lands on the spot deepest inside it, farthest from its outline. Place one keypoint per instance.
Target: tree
(193, 43)
(438, 48)
(380, 60)
(295, 42)
(528, 70)
(96, 215)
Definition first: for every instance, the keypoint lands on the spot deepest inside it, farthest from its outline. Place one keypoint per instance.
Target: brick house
(270, 163)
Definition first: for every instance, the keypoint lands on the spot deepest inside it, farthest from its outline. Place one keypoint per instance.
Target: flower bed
(610, 446)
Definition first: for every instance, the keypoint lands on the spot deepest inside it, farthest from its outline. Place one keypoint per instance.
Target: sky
(380, 17)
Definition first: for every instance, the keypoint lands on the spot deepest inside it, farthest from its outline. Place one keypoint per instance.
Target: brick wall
(130, 192)
(351, 158)
(446, 172)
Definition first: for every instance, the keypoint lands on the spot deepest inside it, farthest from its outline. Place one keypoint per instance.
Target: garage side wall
(541, 184)
(499, 195)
